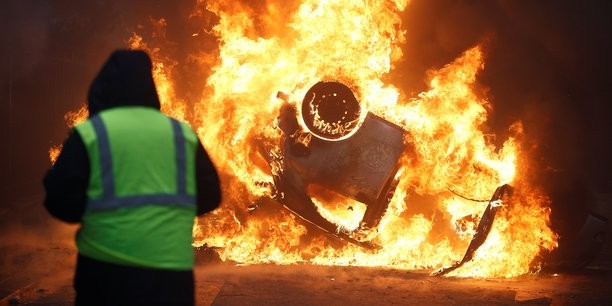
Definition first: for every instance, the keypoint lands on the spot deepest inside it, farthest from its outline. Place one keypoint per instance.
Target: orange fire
(355, 42)
(72, 118)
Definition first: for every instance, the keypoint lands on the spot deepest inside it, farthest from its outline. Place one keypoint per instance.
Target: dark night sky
(547, 64)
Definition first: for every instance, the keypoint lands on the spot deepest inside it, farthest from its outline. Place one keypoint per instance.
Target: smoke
(547, 64)
(33, 34)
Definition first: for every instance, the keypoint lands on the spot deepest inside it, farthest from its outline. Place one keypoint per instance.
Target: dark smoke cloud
(28, 31)
(547, 64)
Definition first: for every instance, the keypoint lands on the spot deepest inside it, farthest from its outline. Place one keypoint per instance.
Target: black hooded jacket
(124, 80)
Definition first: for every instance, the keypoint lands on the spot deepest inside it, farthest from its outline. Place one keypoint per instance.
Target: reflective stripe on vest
(110, 200)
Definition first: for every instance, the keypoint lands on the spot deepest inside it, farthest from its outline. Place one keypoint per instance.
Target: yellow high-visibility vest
(142, 193)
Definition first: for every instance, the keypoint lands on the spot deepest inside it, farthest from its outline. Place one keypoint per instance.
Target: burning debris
(483, 229)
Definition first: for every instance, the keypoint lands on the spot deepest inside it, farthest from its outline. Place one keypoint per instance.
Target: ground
(225, 284)
(37, 256)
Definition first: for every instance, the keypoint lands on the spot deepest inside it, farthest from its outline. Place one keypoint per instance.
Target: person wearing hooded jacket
(134, 179)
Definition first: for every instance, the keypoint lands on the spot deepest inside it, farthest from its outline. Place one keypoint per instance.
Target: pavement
(227, 284)
(37, 256)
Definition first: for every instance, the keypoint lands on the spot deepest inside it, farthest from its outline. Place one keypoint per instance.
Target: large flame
(287, 48)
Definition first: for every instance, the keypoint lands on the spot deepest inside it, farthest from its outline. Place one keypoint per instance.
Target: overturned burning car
(352, 154)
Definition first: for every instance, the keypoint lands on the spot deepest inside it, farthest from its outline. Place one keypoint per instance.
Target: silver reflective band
(140, 200)
(106, 162)
(110, 200)
(179, 149)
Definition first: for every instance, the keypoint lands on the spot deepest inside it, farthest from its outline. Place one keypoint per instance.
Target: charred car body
(354, 154)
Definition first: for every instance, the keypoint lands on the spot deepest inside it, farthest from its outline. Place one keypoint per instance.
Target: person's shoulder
(188, 131)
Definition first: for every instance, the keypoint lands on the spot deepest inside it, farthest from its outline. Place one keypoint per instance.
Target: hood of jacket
(125, 79)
